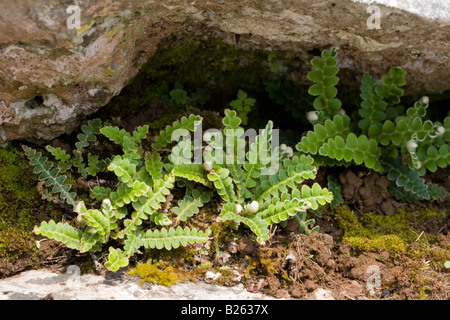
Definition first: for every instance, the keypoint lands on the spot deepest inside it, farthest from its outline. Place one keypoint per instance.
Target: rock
(43, 284)
(432, 9)
(320, 294)
(52, 77)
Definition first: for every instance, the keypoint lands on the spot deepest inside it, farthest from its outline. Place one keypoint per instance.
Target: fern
(190, 205)
(143, 186)
(172, 238)
(306, 226)
(288, 205)
(100, 193)
(88, 135)
(261, 190)
(254, 222)
(314, 139)
(359, 149)
(223, 183)
(243, 105)
(432, 158)
(409, 180)
(381, 130)
(116, 259)
(165, 136)
(335, 188)
(124, 169)
(154, 165)
(62, 232)
(50, 175)
(324, 87)
(102, 221)
(192, 172)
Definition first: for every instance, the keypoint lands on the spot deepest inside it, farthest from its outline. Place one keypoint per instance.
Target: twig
(419, 236)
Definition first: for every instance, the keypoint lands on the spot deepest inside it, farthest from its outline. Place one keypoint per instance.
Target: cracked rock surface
(52, 77)
(43, 284)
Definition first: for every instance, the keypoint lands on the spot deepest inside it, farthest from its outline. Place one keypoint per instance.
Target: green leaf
(190, 205)
(193, 172)
(254, 222)
(154, 165)
(49, 175)
(223, 183)
(165, 136)
(116, 259)
(172, 238)
(405, 178)
(124, 169)
(61, 232)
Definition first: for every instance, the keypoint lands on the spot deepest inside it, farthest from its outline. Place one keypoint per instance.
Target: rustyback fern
(51, 175)
(379, 132)
(251, 187)
(142, 193)
(324, 87)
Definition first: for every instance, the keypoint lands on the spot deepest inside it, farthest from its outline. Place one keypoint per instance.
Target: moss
(399, 224)
(392, 243)
(160, 272)
(200, 61)
(226, 277)
(223, 232)
(20, 203)
(269, 263)
(397, 233)
(349, 222)
(364, 239)
(14, 243)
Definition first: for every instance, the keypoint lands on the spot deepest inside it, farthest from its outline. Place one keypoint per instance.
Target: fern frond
(172, 238)
(231, 121)
(433, 158)
(190, 205)
(132, 243)
(259, 226)
(116, 259)
(58, 153)
(325, 81)
(307, 198)
(100, 193)
(90, 130)
(148, 204)
(124, 169)
(405, 178)
(99, 221)
(320, 134)
(243, 105)
(373, 107)
(335, 188)
(165, 136)
(154, 165)
(290, 173)
(359, 149)
(51, 176)
(62, 232)
(192, 172)
(95, 165)
(223, 183)
(306, 226)
(115, 134)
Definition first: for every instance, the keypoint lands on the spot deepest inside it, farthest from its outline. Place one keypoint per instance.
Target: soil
(293, 265)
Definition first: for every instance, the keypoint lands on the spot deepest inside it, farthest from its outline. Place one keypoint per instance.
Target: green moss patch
(401, 232)
(21, 206)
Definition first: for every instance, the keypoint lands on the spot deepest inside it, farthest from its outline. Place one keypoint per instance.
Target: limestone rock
(44, 284)
(51, 76)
